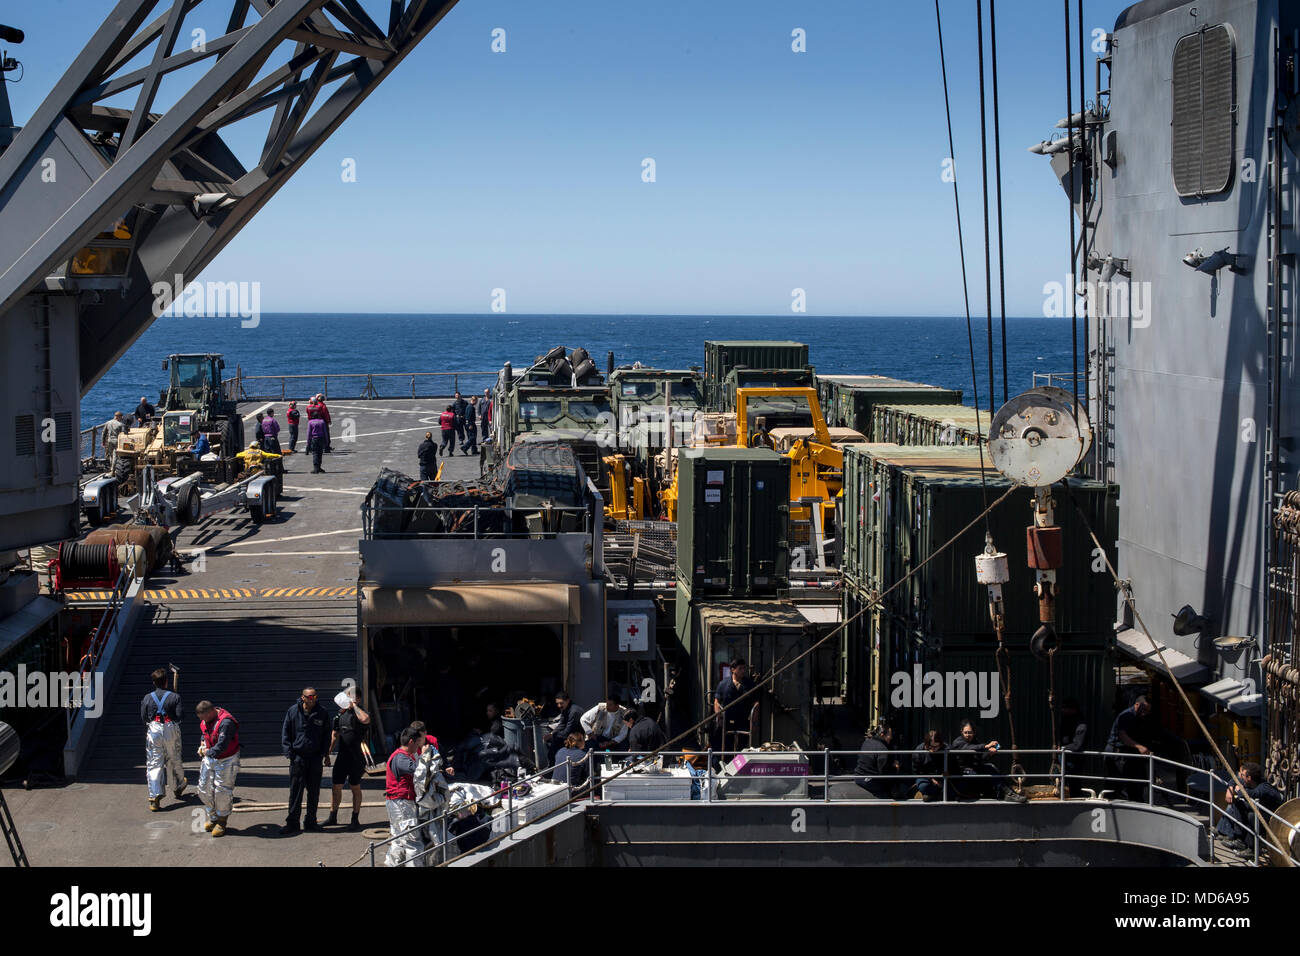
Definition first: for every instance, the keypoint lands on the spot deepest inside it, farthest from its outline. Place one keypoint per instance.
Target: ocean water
(926, 349)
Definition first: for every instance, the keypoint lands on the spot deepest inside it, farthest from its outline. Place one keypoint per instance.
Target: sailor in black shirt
(644, 733)
(735, 720)
(351, 724)
(305, 740)
(1238, 823)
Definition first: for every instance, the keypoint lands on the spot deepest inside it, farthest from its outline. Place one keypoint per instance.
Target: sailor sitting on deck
(1239, 819)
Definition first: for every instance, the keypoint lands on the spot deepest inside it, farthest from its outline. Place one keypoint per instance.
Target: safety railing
(367, 386)
(437, 826)
(956, 779)
(383, 520)
(76, 706)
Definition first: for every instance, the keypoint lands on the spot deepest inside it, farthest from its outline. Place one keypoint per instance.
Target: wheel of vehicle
(255, 512)
(122, 468)
(232, 437)
(191, 507)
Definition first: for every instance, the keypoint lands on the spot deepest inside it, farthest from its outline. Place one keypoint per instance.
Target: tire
(255, 512)
(94, 518)
(122, 469)
(232, 440)
(192, 507)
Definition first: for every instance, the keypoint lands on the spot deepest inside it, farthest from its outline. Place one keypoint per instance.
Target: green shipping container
(902, 504)
(929, 424)
(767, 634)
(733, 521)
(721, 357)
(848, 401)
(919, 689)
(785, 412)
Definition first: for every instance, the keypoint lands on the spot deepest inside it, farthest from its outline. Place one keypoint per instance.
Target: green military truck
(194, 386)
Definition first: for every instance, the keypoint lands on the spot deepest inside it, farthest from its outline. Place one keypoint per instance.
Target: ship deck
(285, 583)
(284, 594)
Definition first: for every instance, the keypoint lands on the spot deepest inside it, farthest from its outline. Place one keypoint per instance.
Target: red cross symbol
(632, 630)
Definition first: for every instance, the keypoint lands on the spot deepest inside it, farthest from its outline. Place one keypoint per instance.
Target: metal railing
(76, 709)
(437, 826)
(368, 386)
(1063, 380)
(472, 523)
(1065, 771)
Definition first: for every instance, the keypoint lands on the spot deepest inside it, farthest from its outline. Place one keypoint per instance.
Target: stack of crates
(849, 401)
(733, 522)
(901, 505)
(720, 357)
(929, 424)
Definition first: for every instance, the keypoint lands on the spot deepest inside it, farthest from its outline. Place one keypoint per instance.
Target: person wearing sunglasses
(305, 740)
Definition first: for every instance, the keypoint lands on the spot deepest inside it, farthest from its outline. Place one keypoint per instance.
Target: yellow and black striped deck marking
(219, 594)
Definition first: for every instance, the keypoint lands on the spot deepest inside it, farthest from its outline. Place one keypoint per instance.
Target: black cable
(984, 162)
(961, 248)
(997, 166)
(1074, 181)
(1083, 203)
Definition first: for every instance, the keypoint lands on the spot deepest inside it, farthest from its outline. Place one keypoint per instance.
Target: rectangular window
(1204, 112)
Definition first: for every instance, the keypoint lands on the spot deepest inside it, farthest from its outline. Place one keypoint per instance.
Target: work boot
(219, 826)
(356, 822)
(333, 819)
(290, 828)
(180, 791)
(208, 827)
(155, 804)
(311, 826)
(1012, 796)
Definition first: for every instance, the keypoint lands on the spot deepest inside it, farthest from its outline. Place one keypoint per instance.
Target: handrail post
(826, 775)
(1255, 815)
(945, 775)
(708, 777)
(1212, 777)
(372, 853)
(1062, 790)
(1151, 779)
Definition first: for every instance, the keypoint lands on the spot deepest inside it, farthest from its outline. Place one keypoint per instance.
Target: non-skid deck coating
(256, 582)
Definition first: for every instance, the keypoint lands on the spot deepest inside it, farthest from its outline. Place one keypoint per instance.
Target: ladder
(10, 830)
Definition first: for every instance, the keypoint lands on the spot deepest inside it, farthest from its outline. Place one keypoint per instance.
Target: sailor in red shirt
(219, 749)
(399, 789)
(161, 713)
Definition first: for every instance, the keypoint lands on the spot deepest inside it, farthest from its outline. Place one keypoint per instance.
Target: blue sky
(775, 170)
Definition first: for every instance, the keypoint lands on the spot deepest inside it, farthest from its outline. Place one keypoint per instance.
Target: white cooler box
(544, 798)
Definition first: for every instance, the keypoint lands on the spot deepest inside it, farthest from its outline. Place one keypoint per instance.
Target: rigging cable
(997, 167)
(1085, 187)
(1069, 122)
(984, 161)
(961, 248)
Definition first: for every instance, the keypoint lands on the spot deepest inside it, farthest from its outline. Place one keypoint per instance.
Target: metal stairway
(251, 657)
